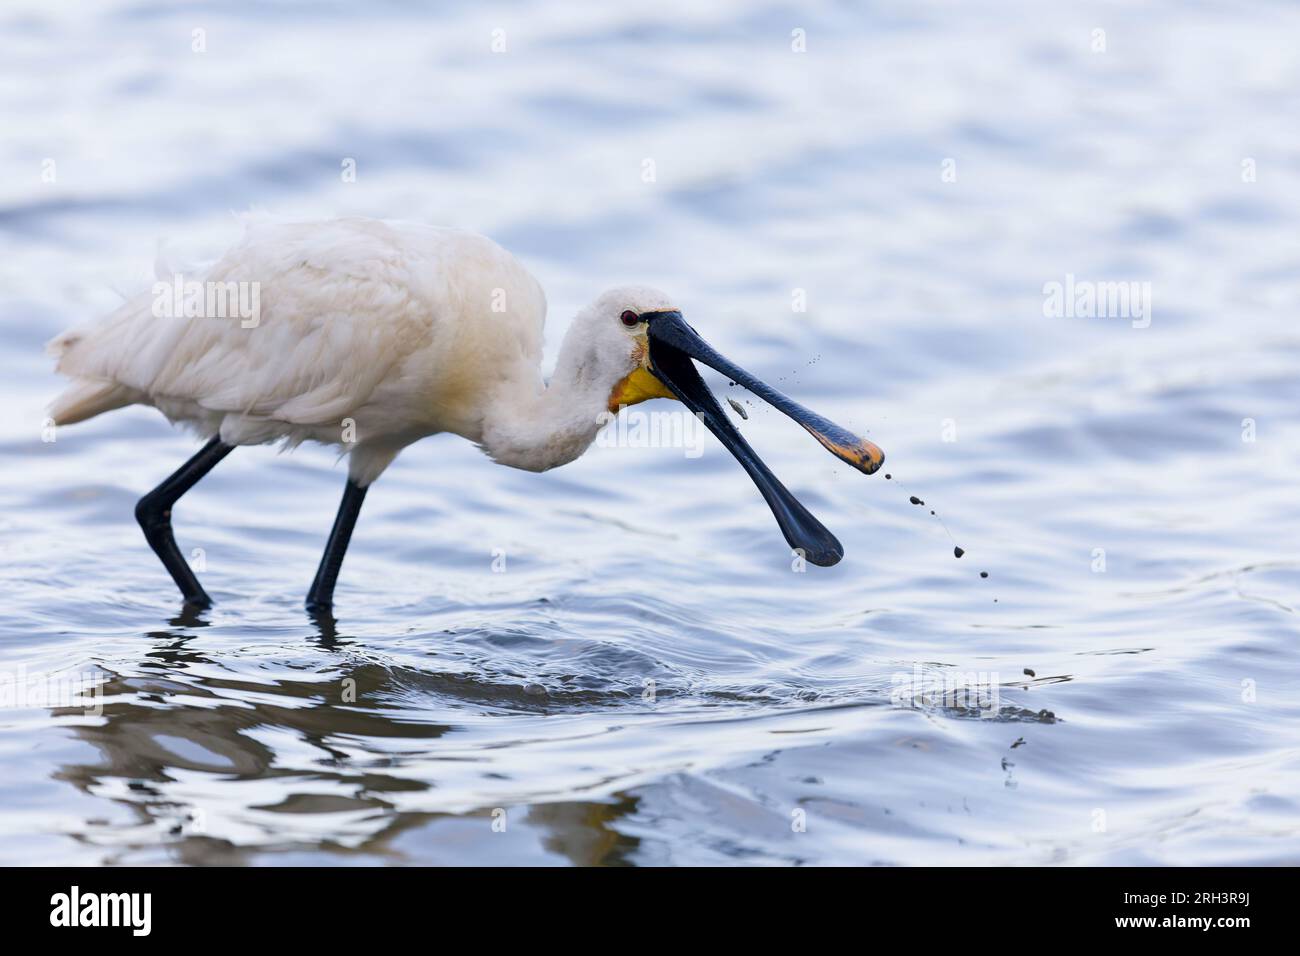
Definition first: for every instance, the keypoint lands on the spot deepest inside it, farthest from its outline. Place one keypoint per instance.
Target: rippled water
(648, 681)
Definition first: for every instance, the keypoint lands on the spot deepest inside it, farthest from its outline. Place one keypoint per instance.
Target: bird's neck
(538, 427)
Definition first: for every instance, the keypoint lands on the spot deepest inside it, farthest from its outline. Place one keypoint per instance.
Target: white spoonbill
(373, 334)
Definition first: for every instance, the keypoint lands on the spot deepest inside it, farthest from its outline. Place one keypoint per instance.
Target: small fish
(739, 409)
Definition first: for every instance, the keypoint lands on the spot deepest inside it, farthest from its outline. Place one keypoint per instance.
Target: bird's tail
(86, 398)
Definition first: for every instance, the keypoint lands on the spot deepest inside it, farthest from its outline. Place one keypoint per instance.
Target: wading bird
(371, 335)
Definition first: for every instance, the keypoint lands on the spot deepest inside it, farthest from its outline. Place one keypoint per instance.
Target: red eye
(630, 318)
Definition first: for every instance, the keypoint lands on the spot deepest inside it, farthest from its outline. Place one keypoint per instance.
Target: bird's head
(646, 348)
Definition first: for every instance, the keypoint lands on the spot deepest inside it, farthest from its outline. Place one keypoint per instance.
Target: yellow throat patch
(639, 386)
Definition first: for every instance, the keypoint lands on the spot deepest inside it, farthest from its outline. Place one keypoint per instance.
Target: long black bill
(673, 344)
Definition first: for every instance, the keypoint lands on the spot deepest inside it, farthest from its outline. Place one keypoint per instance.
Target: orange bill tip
(863, 455)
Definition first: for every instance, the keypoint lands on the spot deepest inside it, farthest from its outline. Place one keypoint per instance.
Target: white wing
(340, 306)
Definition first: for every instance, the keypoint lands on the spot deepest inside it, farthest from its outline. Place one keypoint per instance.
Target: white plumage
(391, 330)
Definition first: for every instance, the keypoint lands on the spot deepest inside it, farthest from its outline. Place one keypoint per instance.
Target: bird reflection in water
(219, 769)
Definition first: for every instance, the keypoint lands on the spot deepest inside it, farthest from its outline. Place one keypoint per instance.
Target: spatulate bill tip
(865, 456)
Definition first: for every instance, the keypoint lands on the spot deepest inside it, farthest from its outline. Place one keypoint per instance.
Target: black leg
(154, 512)
(321, 596)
